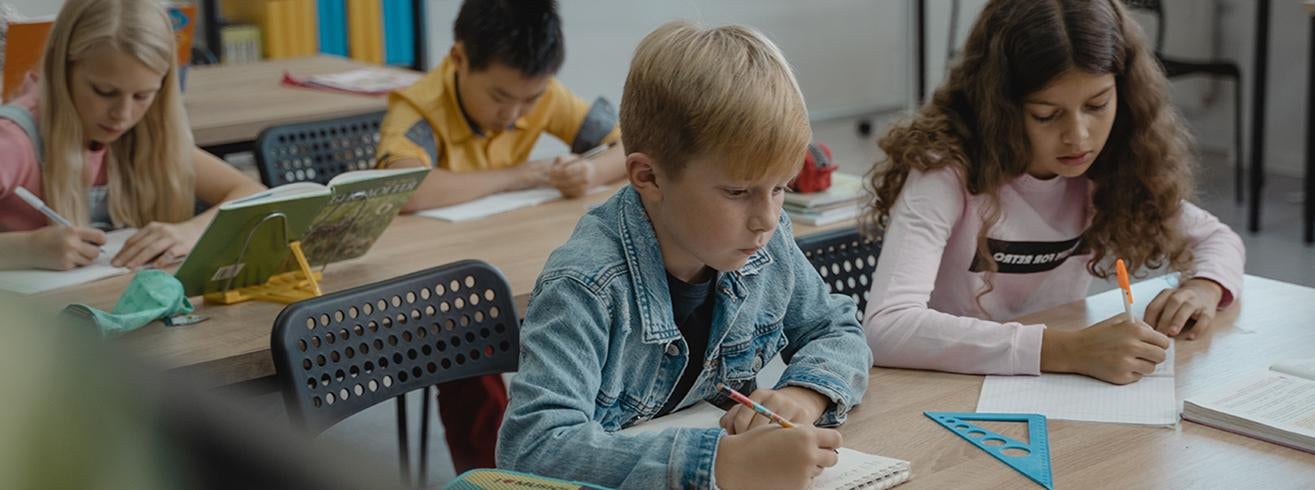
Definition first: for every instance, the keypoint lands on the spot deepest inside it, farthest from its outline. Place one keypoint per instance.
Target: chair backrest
(344, 352)
(845, 259)
(317, 151)
(1155, 8)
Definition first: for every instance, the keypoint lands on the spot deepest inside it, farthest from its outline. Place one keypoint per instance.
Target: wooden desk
(1273, 321)
(233, 346)
(228, 105)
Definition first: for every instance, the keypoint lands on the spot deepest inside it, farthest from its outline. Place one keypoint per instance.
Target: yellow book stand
(286, 288)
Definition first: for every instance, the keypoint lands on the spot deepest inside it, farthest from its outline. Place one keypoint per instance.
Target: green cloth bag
(152, 294)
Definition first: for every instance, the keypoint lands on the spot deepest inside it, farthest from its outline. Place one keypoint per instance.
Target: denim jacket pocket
(615, 411)
(742, 359)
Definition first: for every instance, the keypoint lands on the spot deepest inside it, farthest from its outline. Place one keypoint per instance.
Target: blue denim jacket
(601, 352)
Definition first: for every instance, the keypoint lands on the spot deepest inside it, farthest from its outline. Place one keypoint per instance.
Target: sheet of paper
(1301, 368)
(29, 281)
(1149, 401)
(497, 204)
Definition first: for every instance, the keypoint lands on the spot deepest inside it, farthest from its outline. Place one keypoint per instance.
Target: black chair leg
(403, 446)
(424, 437)
(1238, 176)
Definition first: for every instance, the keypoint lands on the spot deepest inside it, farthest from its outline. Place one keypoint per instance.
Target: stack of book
(287, 27)
(841, 202)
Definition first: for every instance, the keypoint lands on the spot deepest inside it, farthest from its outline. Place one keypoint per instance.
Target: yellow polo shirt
(425, 122)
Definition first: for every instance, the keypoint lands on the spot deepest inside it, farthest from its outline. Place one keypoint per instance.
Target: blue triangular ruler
(1035, 464)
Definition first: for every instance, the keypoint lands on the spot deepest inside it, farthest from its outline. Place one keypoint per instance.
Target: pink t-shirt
(922, 310)
(19, 168)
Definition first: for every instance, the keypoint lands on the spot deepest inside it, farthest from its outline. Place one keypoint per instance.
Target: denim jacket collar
(648, 271)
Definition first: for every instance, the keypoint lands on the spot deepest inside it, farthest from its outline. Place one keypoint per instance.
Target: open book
(29, 281)
(1277, 406)
(247, 242)
(854, 469)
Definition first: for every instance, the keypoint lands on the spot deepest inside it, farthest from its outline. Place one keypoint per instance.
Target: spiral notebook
(853, 470)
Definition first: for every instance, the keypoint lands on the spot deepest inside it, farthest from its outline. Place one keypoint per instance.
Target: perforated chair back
(341, 353)
(317, 151)
(845, 259)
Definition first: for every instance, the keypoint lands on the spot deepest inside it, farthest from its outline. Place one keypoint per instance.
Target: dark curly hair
(974, 124)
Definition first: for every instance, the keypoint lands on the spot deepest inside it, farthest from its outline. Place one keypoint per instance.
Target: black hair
(523, 34)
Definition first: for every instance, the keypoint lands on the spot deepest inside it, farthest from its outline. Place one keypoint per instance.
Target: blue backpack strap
(24, 119)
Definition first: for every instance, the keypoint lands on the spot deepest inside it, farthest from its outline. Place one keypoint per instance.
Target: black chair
(317, 151)
(1175, 67)
(344, 352)
(845, 259)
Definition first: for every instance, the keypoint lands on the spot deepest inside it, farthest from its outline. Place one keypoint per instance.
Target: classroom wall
(854, 55)
(36, 8)
(1289, 65)
(842, 50)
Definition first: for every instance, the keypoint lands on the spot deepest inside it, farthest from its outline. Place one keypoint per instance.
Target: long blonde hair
(150, 169)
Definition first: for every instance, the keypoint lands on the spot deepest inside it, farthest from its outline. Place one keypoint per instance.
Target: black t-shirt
(691, 306)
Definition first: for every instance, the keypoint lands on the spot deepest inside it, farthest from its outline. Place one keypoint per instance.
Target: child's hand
(158, 245)
(572, 175)
(1190, 306)
(775, 457)
(63, 247)
(799, 405)
(533, 173)
(1113, 350)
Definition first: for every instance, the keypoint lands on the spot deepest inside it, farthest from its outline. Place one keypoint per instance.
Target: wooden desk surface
(1273, 321)
(233, 103)
(233, 346)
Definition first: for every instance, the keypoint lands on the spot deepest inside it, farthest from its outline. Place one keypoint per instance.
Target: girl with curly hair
(1050, 150)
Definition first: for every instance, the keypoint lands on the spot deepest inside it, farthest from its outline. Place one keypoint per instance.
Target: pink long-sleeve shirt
(19, 168)
(922, 310)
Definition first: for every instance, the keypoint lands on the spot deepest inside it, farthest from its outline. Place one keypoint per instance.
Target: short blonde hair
(723, 92)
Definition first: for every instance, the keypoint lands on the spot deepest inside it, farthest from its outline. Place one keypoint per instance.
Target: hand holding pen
(63, 246)
(1126, 286)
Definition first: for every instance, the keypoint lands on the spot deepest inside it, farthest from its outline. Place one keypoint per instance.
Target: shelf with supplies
(383, 32)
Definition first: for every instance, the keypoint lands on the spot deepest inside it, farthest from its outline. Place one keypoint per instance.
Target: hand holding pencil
(769, 457)
(573, 175)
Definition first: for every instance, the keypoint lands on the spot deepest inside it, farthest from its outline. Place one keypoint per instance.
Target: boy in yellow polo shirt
(476, 117)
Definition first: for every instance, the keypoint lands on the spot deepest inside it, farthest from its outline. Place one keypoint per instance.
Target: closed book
(399, 32)
(332, 15)
(844, 187)
(364, 31)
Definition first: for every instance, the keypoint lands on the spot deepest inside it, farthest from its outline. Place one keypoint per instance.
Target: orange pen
(1126, 286)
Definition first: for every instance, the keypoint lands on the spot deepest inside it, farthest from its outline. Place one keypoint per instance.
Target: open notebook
(29, 281)
(1149, 401)
(854, 469)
